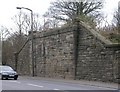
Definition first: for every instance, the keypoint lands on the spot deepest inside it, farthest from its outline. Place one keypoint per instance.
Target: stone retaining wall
(55, 57)
(54, 54)
(97, 60)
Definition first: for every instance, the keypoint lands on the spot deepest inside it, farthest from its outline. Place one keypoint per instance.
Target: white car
(7, 72)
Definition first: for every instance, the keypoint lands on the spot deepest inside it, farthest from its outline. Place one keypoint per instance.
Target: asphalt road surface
(30, 83)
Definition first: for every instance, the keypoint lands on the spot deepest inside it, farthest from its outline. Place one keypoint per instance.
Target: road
(30, 83)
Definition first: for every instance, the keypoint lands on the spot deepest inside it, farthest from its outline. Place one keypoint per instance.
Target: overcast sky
(8, 8)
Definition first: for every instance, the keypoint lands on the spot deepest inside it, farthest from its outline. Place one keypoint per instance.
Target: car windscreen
(5, 68)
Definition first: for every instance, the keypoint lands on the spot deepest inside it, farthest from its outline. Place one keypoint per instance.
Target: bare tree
(68, 11)
(117, 20)
(4, 32)
(23, 22)
(5, 45)
(36, 23)
(51, 23)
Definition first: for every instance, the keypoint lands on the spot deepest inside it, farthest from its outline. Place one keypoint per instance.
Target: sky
(8, 8)
(109, 9)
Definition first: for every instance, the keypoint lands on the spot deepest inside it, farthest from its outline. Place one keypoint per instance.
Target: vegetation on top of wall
(111, 33)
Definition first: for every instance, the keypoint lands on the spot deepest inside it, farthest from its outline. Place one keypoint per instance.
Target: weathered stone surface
(54, 54)
(97, 60)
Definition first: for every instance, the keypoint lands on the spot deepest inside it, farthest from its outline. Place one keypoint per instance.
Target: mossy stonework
(54, 55)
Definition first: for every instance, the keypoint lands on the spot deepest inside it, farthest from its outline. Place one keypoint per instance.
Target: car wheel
(6, 78)
(2, 78)
(15, 78)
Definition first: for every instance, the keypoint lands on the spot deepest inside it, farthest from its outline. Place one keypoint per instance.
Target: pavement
(81, 82)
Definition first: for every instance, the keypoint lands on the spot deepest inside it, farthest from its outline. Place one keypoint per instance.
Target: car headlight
(4, 73)
(15, 73)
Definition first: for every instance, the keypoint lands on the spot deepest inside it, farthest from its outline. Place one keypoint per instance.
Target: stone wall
(23, 64)
(0, 50)
(54, 54)
(97, 60)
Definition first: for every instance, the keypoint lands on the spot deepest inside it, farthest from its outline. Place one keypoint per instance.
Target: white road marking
(56, 89)
(36, 85)
(15, 81)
